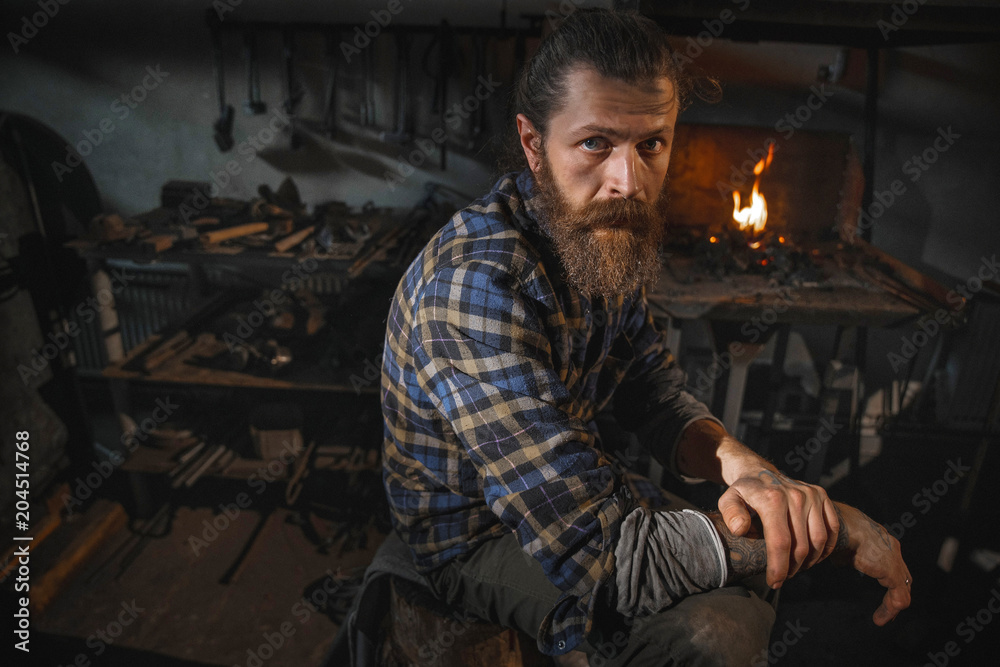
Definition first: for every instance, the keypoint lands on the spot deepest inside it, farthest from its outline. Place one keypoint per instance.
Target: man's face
(601, 173)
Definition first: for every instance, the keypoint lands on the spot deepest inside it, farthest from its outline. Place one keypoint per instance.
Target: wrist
(848, 535)
(738, 461)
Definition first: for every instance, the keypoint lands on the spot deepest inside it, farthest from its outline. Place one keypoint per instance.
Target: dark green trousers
(500, 583)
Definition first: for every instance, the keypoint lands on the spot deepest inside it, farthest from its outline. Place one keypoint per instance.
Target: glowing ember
(712, 239)
(752, 218)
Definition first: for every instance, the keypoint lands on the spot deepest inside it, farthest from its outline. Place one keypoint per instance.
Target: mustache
(628, 213)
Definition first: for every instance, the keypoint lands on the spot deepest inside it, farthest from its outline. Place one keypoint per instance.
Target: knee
(729, 627)
(732, 635)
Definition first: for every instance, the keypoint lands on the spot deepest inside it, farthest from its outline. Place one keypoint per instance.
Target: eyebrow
(612, 133)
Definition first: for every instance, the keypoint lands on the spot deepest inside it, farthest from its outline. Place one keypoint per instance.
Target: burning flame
(753, 217)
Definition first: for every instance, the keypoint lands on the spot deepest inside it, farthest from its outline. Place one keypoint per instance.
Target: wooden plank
(109, 519)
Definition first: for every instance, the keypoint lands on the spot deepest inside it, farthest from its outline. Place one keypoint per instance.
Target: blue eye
(591, 144)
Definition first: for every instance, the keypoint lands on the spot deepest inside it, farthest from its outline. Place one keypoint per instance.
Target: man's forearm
(746, 555)
(705, 450)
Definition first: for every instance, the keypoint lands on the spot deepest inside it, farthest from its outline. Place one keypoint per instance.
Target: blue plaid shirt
(494, 369)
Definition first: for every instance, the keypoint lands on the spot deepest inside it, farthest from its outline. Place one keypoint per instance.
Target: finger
(833, 527)
(897, 597)
(818, 536)
(778, 539)
(895, 600)
(798, 519)
(734, 512)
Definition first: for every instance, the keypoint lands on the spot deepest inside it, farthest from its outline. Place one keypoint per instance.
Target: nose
(622, 178)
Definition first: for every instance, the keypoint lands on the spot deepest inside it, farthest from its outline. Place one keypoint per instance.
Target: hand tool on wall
(446, 58)
(254, 106)
(479, 115)
(224, 125)
(293, 91)
(367, 112)
(332, 39)
(402, 132)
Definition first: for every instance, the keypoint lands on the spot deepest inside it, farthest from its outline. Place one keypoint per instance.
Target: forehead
(593, 98)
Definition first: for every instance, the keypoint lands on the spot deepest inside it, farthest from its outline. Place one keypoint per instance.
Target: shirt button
(561, 645)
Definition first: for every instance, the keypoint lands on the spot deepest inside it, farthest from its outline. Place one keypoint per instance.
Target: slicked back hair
(621, 45)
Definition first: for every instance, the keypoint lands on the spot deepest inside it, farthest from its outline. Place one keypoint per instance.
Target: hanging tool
(479, 43)
(224, 125)
(446, 58)
(368, 96)
(293, 92)
(254, 106)
(333, 62)
(402, 133)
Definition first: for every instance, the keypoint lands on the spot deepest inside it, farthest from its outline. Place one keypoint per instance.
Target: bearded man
(522, 319)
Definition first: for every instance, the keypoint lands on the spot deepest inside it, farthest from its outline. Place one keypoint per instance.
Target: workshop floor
(184, 616)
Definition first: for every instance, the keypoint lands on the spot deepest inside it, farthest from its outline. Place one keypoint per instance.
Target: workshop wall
(73, 73)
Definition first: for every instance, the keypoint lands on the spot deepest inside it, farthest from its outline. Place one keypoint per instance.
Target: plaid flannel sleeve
(652, 401)
(484, 358)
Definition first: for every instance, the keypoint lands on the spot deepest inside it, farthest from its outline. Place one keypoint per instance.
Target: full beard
(608, 248)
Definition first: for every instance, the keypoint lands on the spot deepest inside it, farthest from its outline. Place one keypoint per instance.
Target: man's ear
(531, 141)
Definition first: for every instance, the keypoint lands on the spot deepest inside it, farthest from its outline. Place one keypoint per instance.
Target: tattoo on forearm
(745, 556)
(882, 533)
(842, 535)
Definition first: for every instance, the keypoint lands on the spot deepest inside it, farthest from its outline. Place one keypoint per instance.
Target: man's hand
(870, 549)
(799, 520)
(861, 543)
